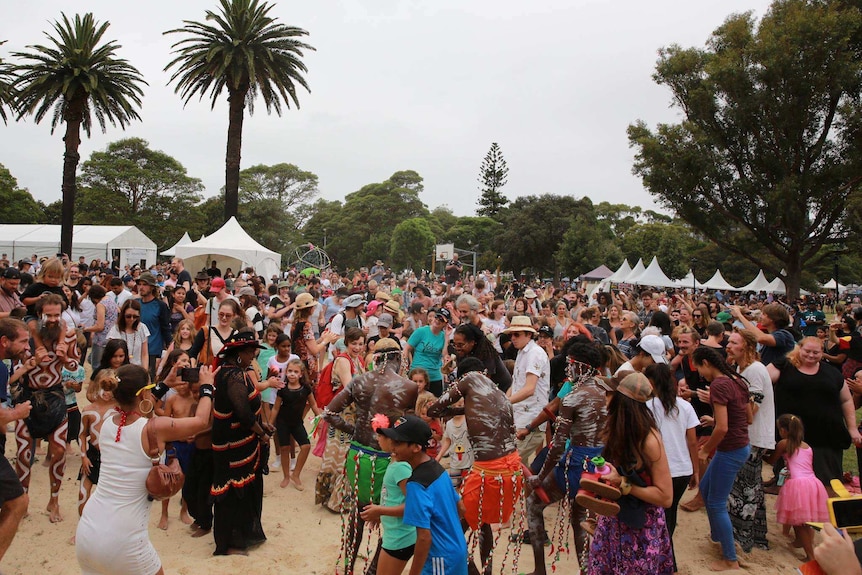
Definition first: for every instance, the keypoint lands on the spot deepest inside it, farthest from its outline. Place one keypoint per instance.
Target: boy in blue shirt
(432, 505)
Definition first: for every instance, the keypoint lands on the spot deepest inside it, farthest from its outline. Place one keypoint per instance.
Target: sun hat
(530, 294)
(653, 345)
(246, 290)
(283, 284)
(394, 308)
(202, 276)
(382, 296)
(303, 300)
(239, 340)
(355, 300)
(385, 344)
(372, 306)
(146, 278)
(217, 285)
(636, 386)
(408, 429)
(520, 323)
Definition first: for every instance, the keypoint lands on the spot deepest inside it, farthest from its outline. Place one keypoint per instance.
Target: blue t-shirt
(432, 504)
(396, 535)
(151, 317)
(428, 351)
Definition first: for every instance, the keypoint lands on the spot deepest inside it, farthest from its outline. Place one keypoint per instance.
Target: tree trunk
(69, 188)
(793, 275)
(236, 102)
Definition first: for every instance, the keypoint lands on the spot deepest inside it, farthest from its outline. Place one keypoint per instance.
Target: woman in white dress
(113, 536)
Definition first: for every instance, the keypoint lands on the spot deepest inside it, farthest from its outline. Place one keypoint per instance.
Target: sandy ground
(302, 538)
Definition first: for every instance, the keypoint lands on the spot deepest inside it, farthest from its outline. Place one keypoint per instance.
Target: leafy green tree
(476, 234)
(76, 78)
(412, 244)
(17, 206)
(291, 189)
(441, 220)
(771, 137)
(672, 244)
(587, 244)
(492, 176)
(533, 229)
(248, 54)
(619, 217)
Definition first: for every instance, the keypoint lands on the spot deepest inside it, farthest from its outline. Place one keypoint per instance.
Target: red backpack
(324, 391)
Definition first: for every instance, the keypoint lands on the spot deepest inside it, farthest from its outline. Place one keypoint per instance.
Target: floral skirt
(329, 487)
(746, 504)
(618, 549)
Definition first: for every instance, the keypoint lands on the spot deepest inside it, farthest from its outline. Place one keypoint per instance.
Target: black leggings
(680, 484)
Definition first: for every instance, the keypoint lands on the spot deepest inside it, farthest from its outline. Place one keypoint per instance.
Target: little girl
(275, 367)
(456, 438)
(802, 497)
(101, 398)
(398, 539)
(425, 399)
(287, 413)
(420, 377)
(133, 331)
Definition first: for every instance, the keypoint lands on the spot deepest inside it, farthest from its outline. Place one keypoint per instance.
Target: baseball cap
(636, 386)
(217, 285)
(408, 429)
(11, 274)
(546, 331)
(372, 306)
(445, 314)
(385, 320)
(653, 345)
(724, 317)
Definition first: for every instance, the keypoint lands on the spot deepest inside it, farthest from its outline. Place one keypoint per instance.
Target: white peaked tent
(831, 285)
(652, 276)
(688, 281)
(636, 271)
(621, 274)
(758, 284)
(171, 251)
(717, 282)
(232, 248)
(777, 286)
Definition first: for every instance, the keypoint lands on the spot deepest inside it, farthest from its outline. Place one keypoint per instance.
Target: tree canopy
(768, 152)
(493, 174)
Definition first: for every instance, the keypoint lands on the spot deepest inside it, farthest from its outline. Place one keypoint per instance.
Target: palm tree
(245, 52)
(75, 79)
(7, 88)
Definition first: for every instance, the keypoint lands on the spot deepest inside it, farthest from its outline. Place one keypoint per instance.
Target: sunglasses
(697, 315)
(146, 387)
(225, 315)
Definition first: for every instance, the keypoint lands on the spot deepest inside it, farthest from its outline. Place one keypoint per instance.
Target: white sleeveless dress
(112, 536)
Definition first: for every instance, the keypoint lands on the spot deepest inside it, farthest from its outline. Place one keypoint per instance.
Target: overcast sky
(422, 85)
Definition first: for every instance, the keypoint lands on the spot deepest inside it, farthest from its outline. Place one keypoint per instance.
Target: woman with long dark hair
(677, 421)
(132, 330)
(470, 341)
(635, 541)
(728, 396)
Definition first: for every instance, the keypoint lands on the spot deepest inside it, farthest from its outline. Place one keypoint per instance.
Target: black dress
(237, 489)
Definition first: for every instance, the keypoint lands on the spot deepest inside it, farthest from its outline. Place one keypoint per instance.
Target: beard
(50, 333)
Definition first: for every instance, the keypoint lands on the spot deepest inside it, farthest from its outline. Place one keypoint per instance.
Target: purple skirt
(618, 549)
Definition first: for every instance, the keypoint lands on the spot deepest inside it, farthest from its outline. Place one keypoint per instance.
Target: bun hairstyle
(131, 378)
(105, 381)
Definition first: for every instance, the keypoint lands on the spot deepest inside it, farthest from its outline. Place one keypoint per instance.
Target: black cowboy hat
(239, 341)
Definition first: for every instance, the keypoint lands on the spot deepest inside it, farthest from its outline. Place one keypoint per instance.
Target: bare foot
(54, 511)
(47, 461)
(163, 523)
(284, 482)
(233, 551)
(186, 518)
(72, 540)
(200, 532)
(297, 484)
(724, 565)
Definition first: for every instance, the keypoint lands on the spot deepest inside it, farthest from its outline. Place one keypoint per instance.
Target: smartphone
(845, 512)
(190, 374)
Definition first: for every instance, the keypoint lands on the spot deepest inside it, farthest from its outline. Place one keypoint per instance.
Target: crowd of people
(440, 404)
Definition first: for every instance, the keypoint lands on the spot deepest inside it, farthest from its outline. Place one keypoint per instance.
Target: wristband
(529, 428)
(207, 390)
(160, 389)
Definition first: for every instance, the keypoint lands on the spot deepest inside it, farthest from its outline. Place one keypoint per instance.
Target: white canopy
(621, 274)
(777, 286)
(830, 284)
(758, 284)
(688, 281)
(636, 271)
(652, 276)
(19, 241)
(717, 282)
(232, 248)
(171, 251)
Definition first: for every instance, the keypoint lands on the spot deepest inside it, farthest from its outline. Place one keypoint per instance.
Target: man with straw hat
(531, 384)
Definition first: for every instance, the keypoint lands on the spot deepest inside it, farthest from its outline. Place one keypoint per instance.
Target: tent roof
(758, 284)
(82, 235)
(232, 241)
(622, 273)
(600, 273)
(652, 276)
(186, 239)
(636, 271)
(830, 284)
(777, 286)
(717, 282)
(688, 281)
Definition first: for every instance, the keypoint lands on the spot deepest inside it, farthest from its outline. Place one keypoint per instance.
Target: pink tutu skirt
(800, 500)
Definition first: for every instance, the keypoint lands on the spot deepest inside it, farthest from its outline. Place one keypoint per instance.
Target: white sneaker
(292, 463)
(277, 463)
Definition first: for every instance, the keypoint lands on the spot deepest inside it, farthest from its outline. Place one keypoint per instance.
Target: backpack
(324, 392)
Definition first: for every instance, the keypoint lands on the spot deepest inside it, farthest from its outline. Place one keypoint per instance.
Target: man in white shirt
(531, 385)
(119, 293)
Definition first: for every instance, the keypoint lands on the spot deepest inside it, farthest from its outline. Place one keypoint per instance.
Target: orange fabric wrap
(499, 483)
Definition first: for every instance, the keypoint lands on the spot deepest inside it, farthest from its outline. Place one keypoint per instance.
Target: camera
(190, 374)
(845, 512)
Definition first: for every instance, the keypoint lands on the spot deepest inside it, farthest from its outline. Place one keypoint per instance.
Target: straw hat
(303, 300)
(520, 323)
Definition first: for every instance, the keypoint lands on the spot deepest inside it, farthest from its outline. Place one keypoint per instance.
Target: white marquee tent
(717, 282)
(758, 284)
(232, 248)
(171, 251)
(688, 281)
(636, 271)
(831, 285)
(621, 274)
(652, 276)
(19, 241)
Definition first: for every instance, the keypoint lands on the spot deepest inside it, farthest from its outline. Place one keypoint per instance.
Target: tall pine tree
(492, 177)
